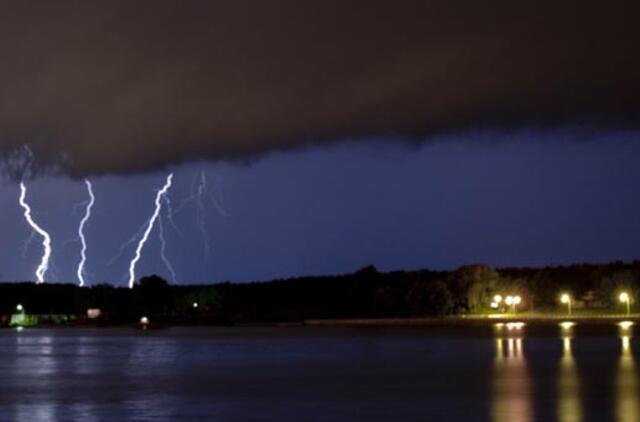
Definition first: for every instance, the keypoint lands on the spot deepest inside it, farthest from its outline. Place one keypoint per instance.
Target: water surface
(320, 374)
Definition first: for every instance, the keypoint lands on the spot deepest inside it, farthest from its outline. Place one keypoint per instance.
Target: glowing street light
(20, 308)
(626, 299)
(195, 304)
(497, 299)
(566, 299)
(513, 301)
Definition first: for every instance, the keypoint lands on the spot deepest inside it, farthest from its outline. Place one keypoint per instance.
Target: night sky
(331, 135)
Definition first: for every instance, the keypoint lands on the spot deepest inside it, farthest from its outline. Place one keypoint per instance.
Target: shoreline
(469, 320)
(450, 321)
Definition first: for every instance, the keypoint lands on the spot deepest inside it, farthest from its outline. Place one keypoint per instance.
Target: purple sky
(523, 198)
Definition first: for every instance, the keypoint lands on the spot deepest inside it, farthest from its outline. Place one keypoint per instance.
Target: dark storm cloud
(118, 86)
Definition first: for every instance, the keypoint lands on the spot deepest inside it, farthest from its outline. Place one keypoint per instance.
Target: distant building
(23, 320)
(94, 313)
(589, 300)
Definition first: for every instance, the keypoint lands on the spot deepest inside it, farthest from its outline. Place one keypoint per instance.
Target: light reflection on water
(511, 386)
(569, 402)
(626, 382)
(513, 374)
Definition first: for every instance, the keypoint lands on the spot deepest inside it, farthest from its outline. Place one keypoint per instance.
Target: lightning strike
(46, 239)
(27, 243)
(199, 193)
(163, 250)
(201, 212)
(83, 222)
(150, 223)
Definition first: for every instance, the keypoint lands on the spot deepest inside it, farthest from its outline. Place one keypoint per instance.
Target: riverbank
(466, 320)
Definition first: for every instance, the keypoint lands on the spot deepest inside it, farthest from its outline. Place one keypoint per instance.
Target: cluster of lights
(565, 298)
(510, 300)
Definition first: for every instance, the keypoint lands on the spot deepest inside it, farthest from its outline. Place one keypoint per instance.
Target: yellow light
(144, 320)
(497, 298)
(566, 325)
(494, 305)
(517, 300)
(626, 344)
(515, 325)
(565, 298)
(624, 297)
(508, 300)
(625, 325)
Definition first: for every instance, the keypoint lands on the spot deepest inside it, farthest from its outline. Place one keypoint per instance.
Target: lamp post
(513, 301)
(565, 298)
(626, 299)
(516, 301)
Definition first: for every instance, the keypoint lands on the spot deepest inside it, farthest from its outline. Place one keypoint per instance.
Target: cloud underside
(121, 86)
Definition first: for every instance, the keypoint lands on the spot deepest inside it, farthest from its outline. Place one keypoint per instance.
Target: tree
(152, 294)
(616, 282)
(473, 286)
(430, 298)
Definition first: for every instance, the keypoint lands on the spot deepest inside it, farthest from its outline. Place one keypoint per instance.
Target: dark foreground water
(320, 374)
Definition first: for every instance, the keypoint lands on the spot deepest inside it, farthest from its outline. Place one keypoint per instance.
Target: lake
(481, 373)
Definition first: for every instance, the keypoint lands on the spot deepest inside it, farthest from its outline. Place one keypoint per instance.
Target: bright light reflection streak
(514, 325)
(626, 383)
(566, 325)
(625, 325)
(46, 239)
(83, 222)
(158, 203)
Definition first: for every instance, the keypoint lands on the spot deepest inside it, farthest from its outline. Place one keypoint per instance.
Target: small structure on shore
(94, 313)
(21, 318)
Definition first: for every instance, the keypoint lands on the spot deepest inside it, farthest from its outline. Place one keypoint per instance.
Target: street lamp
(566, 299)
(20, 308)
(626, 299)
(513, 301)
(497, 299)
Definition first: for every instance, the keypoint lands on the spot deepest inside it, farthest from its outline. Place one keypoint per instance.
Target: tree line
(366, 293)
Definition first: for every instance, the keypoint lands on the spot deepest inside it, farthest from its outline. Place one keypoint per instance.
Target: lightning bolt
(198, 194)
(27, 243)
(46, 239)
(150, 223)
(201, 212)
(83, 222)
(163, 249)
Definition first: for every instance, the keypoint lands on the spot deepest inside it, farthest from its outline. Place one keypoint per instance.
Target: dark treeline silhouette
(366, 293)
